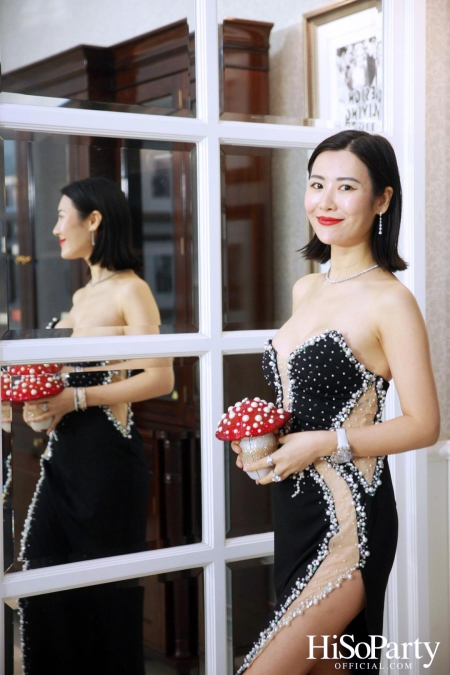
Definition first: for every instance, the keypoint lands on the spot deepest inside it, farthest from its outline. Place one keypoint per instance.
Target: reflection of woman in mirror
(94, 224)
(352, 330)
(91, 499)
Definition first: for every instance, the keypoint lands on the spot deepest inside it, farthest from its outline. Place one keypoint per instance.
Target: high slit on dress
(330, 519)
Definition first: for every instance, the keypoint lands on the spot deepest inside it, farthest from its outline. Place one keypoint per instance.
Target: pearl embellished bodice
(322, 383)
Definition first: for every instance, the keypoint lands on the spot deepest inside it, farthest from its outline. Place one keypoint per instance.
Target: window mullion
(104, 570)
(88, 349)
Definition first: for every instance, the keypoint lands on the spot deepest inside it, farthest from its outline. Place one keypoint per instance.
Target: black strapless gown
(90, 502)
(331, 519)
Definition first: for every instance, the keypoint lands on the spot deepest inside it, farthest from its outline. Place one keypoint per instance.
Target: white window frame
(404, 123)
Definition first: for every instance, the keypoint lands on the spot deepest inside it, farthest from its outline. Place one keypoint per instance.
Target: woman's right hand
(237, 449)
(6, 411)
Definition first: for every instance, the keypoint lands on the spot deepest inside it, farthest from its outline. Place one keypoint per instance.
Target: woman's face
(339, 200)
(73, 232)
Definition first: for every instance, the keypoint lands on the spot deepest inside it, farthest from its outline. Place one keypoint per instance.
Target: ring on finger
(269, 460)
(275, 477)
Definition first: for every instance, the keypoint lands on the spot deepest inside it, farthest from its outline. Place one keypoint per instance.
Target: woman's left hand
(56, 407)
(297, 451)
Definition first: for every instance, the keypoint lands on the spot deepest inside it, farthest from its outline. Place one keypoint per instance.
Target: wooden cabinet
(155, 68)
(244, 55)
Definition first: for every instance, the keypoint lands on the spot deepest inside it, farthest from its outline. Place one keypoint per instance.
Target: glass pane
(144, 196)
(264, 226)
(307, 62)
(243, 376)
(153, 625)
(116, 55)
(250, 599)
(110, 479)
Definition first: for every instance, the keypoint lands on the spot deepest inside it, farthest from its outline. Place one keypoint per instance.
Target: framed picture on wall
(344, 75)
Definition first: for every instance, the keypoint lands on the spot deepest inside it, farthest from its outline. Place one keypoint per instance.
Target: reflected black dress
(90, 502)
(330, 519)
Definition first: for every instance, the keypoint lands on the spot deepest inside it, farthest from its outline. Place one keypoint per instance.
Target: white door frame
(404, 40)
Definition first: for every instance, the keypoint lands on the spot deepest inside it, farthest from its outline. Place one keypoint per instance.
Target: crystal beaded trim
(280, 620)
(297, 477)
(283, 617)
(276, 376)
(270, 633)
(371, 488)
(124, 430)
(23, 646)
(361, 517)
(8, 481)
(31, 508)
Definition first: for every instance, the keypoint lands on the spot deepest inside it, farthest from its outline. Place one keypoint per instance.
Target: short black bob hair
(113, 247)
(379, 157)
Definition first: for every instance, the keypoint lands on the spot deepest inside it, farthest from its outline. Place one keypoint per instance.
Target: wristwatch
(343, 453)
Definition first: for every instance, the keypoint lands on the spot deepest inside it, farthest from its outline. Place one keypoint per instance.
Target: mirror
(101, 458)
(142, 277)
(117, 55)
(251, 597)
(264, 225)
(154, 624)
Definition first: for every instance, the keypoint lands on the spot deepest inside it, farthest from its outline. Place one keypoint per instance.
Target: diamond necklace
(339, 281)
(94, 283)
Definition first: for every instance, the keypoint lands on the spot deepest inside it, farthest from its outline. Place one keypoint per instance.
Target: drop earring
(92, 238)
(380, 225)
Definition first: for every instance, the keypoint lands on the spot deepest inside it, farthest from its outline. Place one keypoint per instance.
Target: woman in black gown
(352, 330)
(91, 498)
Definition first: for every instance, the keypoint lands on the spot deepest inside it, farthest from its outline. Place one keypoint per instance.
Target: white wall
(31, 30)
(438, 312)
(282, 13)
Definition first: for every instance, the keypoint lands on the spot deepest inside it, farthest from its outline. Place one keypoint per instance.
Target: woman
(91, 499)
(330, 364)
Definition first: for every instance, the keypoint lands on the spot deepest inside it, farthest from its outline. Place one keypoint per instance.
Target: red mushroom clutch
(6, 402)
(33, 387)
(252, 423)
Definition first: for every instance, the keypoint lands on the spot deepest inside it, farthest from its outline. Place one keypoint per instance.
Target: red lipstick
(323, 220)
(61, 242)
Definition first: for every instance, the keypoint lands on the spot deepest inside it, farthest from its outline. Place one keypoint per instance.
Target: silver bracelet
(75, 399)
(343, 453)
(81, 398)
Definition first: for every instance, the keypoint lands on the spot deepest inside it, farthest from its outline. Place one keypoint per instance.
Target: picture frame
(344, 69)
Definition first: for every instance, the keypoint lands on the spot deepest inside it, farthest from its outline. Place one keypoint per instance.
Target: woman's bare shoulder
(396, 307)
(303, 287)
(136, 300)
(131, 281)
(77, 296)
(392, 293)
(304, 284)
